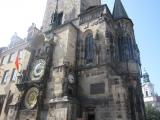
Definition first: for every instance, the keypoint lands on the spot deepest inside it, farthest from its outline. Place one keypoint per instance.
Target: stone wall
(70, 8)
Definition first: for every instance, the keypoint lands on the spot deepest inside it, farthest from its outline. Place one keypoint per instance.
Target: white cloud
(17, 16)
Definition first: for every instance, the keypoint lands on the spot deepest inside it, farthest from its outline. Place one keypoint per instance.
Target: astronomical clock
(34, 80)
(31, 98)
(34, 83)
(38, 69)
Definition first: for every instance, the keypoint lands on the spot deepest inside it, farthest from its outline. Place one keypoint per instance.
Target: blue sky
(18, 15)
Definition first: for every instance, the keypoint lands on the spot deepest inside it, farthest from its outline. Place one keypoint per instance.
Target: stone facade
(70, 9)
(82, 65)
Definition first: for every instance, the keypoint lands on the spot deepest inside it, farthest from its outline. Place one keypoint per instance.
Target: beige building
(83, 64)
(8, 72)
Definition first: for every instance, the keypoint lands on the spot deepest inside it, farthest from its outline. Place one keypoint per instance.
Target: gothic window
(125, 48)
(89, 48)
(121, 48)
(60, 15)
(56, 19)
(130, 48)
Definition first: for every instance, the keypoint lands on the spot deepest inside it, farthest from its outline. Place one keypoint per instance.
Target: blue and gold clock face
(31, 98)
(38, 69)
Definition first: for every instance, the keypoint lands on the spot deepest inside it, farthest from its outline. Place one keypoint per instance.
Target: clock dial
(38, 69)
(71, 78)
(31, 98)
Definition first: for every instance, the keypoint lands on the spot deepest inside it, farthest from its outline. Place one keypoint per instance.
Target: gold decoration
(31, 98)
(38, 69)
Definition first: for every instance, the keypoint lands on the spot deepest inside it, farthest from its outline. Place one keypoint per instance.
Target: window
(147, 93)
(125, 48)
(47, 49)
(20, 53)
(11, 57)
(56, 19)
(2, 60)
(89, 48)
(5, 77)
(60, 15)
(14, 75)
(121, 49)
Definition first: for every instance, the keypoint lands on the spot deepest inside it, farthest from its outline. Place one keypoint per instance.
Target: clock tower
(84, 64)
(69, 8)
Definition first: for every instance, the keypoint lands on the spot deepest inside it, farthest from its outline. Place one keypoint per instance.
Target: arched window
(121, 48)
(89, 48)
(130, 47)
(125, 48)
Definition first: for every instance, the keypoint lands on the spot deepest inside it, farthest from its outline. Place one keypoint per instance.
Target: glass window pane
(5, 76)
(2, 60)
(12, 57)
(14, 75)
(21, 53)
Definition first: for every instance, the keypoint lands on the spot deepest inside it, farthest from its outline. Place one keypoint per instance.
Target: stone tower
(151, 98)
(148, 87)
(69, 8)
(84, 65)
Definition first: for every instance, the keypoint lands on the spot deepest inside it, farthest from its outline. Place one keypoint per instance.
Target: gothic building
(84, 64)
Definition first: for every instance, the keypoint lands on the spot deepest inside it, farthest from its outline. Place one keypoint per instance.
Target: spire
(119, 11)
(146, 77)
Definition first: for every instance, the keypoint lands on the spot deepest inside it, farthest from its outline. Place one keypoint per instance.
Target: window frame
(20, 54)
(13, 72)
(10, 56)
(147, 95)
(89, 48)
(4, 76)
(2, 60)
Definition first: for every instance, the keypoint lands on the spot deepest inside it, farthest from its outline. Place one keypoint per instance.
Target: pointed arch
(89, 47)
(130, 46)
(125, 48)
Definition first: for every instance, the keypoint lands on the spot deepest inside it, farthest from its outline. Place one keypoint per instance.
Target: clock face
(38, 69)
(31, 98)
(71, 78)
